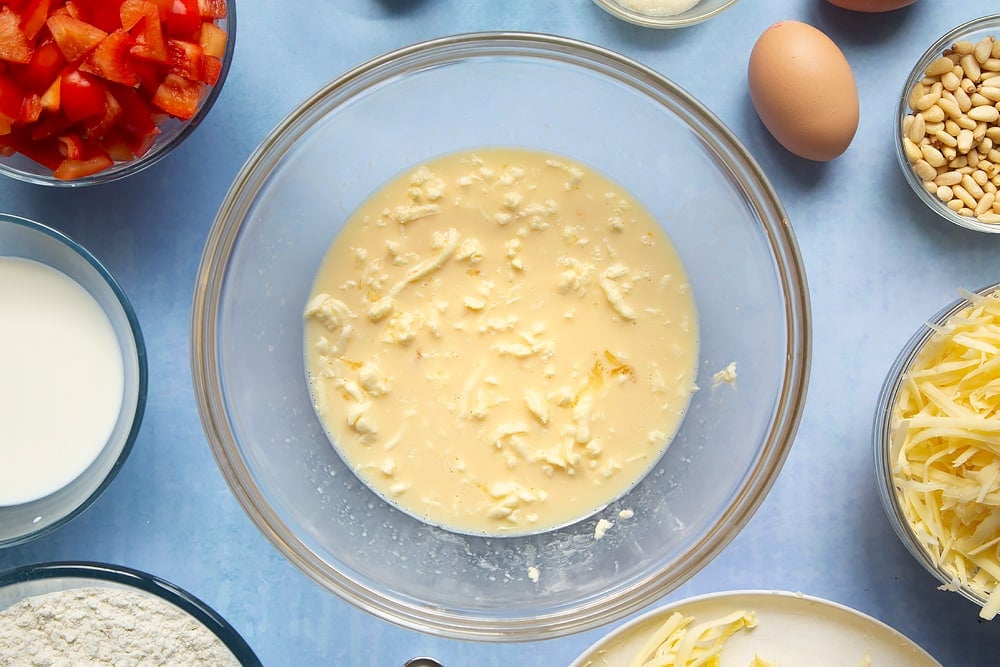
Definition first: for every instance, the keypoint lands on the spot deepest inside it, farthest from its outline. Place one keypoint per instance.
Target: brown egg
(803, 90)
(871, 6)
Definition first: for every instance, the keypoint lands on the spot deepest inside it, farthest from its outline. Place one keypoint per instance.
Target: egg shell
(803, 90)
(871, 6)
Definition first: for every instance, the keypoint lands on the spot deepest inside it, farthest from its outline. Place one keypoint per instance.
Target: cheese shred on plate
(946, 448)
(677, 643)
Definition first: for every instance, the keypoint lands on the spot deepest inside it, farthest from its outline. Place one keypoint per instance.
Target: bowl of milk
(73, 378)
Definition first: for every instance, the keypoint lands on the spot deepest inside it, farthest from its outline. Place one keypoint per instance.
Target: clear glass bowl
(30, 580)
(548, 93)
(704, 10)
(882, 440)
(172, 132)
(24, 238)
(974, 31)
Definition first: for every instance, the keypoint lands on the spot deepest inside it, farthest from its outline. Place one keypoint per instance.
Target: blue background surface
(878, 266)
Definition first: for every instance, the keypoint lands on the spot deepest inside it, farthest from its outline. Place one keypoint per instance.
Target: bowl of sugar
(73, 385)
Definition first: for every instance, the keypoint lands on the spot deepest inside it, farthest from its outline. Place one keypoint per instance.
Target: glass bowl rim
(646, 20)
(990, 21)
(143, 581)
(882, 439)
(565, 619)
(141, 362)
(120, 170)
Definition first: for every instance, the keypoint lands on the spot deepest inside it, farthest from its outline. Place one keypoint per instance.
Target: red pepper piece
(14, 44)
(95, 126)
(110, 59)
(11, 99)
(100, 13)
(137, 117)
(212, 9)
(212, 40)
(71, 146)
(82, 96)
(185, 58)
(142, 19)
(211, 70)
(183, 19)
(33, 17)
(74, 37)
(31, 109)
(69, 170)
(178, 96)
(44, 67)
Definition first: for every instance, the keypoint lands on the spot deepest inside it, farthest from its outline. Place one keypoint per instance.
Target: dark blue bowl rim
(149, 583)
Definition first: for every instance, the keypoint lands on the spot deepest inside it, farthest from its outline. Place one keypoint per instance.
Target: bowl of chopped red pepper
(94, 90)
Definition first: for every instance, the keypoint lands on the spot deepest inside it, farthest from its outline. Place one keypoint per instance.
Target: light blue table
(878, 265)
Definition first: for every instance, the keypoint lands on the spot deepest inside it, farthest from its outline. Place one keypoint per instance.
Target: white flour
(105, 626)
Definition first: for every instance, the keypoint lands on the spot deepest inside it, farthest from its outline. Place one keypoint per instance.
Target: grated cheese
(946, 448)
(675, 644)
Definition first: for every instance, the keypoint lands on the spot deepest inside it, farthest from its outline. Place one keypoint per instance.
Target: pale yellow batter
(501, 342)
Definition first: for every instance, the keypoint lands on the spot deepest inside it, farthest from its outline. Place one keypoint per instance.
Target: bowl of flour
(97, 614)
(664, 13)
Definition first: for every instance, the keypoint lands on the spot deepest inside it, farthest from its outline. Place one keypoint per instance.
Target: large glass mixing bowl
(547, 93)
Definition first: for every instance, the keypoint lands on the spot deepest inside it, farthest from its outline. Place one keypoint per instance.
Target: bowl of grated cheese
(937, 447)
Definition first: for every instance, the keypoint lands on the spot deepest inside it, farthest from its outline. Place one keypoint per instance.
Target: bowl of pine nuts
(949, 125)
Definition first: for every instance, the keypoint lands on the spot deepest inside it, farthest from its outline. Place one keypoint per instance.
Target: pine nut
(946, 139)
(933, 115)
(924, 170)
(950, 81)
(954, 204)
(944, 193)
(918, 128)
(948, 178)
(964, 141)
(990, 93)
(982, 50)
(985, 114)
(971, 67)
(989, 218)
(939, 67)
(948, 106)
(972, 187)
(963, 47)
(932, 156)
(964, 195)
(985, 204)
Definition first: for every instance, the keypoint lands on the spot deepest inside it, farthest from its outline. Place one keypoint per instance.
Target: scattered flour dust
(105, 626)
(659, 7)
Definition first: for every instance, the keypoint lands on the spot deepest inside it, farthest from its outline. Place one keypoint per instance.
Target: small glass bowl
(884, 446)
(972, 31)
(20, 237)
(172, 132)
(704, 10)
(19, 583)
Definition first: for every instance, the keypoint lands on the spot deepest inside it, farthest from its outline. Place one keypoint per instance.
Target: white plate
(792, 630)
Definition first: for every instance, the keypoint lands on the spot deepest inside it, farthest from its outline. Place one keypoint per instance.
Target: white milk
(61, 380)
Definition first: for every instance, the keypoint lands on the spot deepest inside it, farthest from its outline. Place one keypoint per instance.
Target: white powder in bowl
(659, 7)
(105, 626)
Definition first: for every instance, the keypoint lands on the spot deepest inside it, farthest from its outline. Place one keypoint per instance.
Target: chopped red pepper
(110, 59)
(81, 96)
(74, 37)
(14, 44)
(86, 83)
(33, 17)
